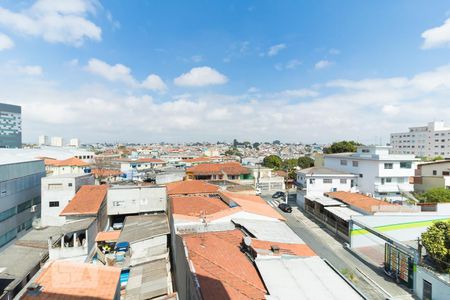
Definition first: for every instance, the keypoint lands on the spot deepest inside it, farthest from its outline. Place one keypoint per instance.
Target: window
(388, 179)
(118, 203)
(343, 181)
(6, 214)
(69, 184)
(365, 150)
(434, 172)
(312, 181)
(343, 162)
(427, 290)
(327, 180)
(445, 173)
(388, 165)
(23, 206)
(405, 165)
(53, 204)
(355, 163)
(55, 186)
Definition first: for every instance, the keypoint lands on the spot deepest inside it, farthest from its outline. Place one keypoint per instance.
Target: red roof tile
(87, 200)
(363, 202)
(105, 172)
(196, 206)
(223, 271)
(229, 168)
(191, 187)
(71, 280)
(108, 236)
(70, 162)
(284, 248)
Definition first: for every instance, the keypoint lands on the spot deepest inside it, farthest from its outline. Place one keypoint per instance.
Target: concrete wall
(61, 189)
(136, 199)
(439, 288)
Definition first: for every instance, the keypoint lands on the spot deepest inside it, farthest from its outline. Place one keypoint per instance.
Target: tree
(276, 142)
(305, 162)
(438, 158)
(342, 146)
(272, 161)
(436, 241)
(436, 195)
(233, 152)
(256, 145)
(289, 164)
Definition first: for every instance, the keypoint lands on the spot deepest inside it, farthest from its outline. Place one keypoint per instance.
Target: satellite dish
(247, 241)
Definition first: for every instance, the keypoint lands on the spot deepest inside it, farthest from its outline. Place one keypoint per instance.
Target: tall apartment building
(57, 141)
(423, 141)
(20, 195)
(74, 142)
(10, 126)
(379, 173)
(43, 140)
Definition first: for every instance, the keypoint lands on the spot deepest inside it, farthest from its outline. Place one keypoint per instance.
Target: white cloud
(322, 64)
(390, 109)
(300, 93)
(154, 82)
(437, 36)
(290, 65)
(122, 73)
(253, 89)
(196, 58)
(30, 70)
(5, 42)
(334, 51)
(275, 49)
(201, 76)
(55, 21)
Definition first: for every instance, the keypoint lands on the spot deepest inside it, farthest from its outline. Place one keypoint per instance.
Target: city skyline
(258, 71)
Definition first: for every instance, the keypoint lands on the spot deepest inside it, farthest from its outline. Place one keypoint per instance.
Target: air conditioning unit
(33, 208)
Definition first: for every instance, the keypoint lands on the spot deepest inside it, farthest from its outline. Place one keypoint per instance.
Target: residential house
(380, 174)
(432, 175)
(231, 171)
(71, 165)
(191, 188)
(56, 193)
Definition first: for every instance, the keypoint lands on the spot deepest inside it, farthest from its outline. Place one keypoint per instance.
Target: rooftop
(196, 206)
(214, 256)
(360, 201)
(253, 204)
(87, 200)
(71, 162)
(107, 236)
(322, 171)
(229, 168)
(142, 227)
(191, 187)
(70, 280)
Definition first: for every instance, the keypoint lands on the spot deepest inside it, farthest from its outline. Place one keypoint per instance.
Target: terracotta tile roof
(265, 248)
(223, 271)
(196, 159)
(105, 172)
(363, 202)
(70, 162)
(87, 200)
(191, 187)
(108, 235)
(196, 206)
(253, 204)
(71, 280)
(229, 168)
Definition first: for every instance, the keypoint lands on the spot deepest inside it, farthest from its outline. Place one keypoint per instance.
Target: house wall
(61, 170)
(62, 190)
(439, 288)
(133, 200)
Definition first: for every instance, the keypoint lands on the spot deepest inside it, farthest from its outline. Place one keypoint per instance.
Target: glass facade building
(10, 126)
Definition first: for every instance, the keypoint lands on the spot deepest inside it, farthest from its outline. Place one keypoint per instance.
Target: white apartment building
(424, 141)
(316, 181)
(380, 174)
(20, 195)
(43, 140)
(265, 180)
(57, 141)
(56, 193)
(74, 142)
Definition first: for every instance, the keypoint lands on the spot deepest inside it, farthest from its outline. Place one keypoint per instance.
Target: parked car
(278, 195)
(258, 192)
(285, 207)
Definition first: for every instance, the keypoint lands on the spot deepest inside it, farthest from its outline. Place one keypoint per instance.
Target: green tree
(272, 161)
(276, 142)
(436, 241)
(289, 164)
(305, 162)
(256, 145)
(435, 195)
(342, 146)
(438, 158)
(232, 152)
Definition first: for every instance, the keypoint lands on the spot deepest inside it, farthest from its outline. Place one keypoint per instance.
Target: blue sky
(299, 71)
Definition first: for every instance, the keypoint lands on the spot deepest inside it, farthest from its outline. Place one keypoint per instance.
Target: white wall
(136, 199)
(439, 289)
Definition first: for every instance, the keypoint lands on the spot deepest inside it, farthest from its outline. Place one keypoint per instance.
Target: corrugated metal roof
(325, 201)
(344, 213)
(149, 280)
(303, 278)
(138, 228)
(270, 231)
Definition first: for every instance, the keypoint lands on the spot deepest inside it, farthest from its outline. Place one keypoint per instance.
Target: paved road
(327, 247)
